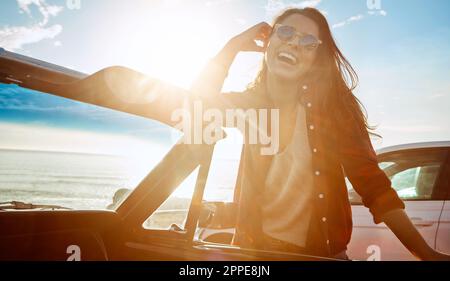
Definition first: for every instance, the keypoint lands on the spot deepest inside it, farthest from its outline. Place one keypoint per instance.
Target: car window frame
(440, 178)
(386, 157)
(443, 180)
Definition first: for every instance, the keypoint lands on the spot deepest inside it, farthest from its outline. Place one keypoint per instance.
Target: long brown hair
(334, 77)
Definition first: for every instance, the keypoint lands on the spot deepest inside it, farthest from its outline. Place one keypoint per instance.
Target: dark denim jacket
(335, 150)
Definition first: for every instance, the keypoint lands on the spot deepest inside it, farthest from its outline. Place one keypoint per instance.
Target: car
(152, 222)
(419, 173)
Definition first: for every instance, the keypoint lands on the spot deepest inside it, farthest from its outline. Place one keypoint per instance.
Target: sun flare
(178, 46)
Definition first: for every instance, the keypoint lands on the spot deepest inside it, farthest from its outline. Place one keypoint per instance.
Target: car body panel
(443, 235)
(377, 241)
(55, 235)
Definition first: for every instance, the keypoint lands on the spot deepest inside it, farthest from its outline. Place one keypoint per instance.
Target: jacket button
(311, 127)
(317, 173)
(328, 242)
(309, 104)
(321, 196)
(324, 219)
(315, 150)
(305, 87)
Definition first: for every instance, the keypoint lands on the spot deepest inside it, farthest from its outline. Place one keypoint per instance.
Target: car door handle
(420, 222)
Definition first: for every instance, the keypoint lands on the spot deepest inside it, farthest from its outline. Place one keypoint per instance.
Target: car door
(416, 176)
(443, 235)
(162, 215)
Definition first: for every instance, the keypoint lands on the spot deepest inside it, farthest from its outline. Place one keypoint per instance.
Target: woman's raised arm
(209, 83)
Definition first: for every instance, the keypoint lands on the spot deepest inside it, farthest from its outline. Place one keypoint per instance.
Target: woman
(296, 200)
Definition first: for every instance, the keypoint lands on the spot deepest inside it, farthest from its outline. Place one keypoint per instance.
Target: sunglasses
(306, 41)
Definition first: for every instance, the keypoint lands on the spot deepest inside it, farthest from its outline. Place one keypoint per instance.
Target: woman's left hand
(436, 256)
(406, 232)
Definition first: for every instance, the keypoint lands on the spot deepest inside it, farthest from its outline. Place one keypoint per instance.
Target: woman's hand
(433, 255)
(406, 232)
(246, 41)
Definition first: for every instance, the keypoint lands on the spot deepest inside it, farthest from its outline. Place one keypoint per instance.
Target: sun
(177, 46)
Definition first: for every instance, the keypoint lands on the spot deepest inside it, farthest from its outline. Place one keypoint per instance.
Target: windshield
(55, 151)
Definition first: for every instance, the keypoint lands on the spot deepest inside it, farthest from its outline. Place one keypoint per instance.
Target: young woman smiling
(296, 200)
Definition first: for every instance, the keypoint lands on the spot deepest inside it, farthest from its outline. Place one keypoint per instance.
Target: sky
(399, 48)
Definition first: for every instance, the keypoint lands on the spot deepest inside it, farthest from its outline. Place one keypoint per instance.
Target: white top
(288, 193)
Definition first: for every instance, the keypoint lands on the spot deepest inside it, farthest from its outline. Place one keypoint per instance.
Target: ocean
(74, 180)
(88, 181)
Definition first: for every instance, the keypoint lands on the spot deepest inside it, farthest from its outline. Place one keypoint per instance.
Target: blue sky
(399, 48)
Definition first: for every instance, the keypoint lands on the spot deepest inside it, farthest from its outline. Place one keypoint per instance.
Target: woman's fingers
(246, 41)
(252, 46)
(265, 30)
(261, 49)
(262, 31)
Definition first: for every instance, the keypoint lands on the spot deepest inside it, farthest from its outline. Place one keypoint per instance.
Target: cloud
(355, 18)
(45, 9)
(19, 100)
(274, 7)
(348, 21)
(26, 105)
(340, 24)
(437, 96)
(241, 21)
(211, 3)
(13, 38)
